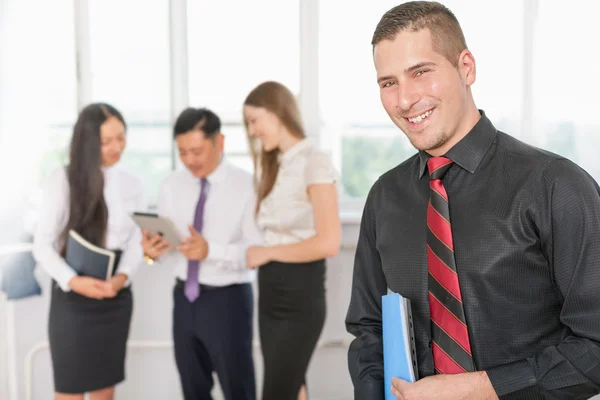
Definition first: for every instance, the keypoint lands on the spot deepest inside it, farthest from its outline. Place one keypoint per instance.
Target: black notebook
(88, 259)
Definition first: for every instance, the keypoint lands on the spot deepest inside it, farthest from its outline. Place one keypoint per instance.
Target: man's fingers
(193, 231)
(156, 239)
(397, 387)
(398, 383)
(161, 245)
(163, 249)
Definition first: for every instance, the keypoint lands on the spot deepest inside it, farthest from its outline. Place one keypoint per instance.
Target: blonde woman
(298, 210)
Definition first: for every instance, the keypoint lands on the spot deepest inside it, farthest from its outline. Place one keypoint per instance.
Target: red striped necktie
(451, 346)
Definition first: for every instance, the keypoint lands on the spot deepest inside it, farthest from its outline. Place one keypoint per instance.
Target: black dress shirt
(526, 229)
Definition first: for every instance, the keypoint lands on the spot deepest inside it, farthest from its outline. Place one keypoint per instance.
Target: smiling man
(494, 242)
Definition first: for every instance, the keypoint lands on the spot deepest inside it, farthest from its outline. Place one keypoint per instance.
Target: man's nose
(408, 96)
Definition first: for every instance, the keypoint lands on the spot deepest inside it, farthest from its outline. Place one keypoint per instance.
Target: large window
(232, 47)
(129, 50)
(365, 142)
(566, 82)
(368, 144)
(37, 104)
(535, 77)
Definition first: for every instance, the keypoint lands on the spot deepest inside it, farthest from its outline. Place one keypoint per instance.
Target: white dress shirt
(229, 225)
(286, 214)
(123, 193)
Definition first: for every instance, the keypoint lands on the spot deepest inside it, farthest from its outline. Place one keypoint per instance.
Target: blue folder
(399, 356)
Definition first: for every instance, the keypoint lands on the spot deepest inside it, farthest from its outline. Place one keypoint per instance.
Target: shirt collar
(108, 172)
(216, 176)
(469, 152)
(295, 149)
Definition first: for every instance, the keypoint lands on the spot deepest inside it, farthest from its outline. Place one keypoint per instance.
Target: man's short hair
(446, 34)
(201, 119)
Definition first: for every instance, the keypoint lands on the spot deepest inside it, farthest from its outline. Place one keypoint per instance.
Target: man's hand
(154, 246)
(257, 256)
(472, 385)
(194, 247)
(92, 287)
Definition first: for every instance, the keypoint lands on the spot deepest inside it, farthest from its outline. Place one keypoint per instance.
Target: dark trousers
(214, 333)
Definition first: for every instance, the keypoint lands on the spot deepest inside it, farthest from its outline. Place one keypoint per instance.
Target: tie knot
(438, 166)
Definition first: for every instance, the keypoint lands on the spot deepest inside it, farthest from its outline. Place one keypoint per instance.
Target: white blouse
(286, 214)
(123, 193)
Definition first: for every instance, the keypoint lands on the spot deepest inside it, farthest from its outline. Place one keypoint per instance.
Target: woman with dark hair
(298, 210)
(89, 318)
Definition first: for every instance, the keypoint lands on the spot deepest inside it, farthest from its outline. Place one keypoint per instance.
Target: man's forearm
(365, 362)
(467, 386)
(569, 370)
(482, 387)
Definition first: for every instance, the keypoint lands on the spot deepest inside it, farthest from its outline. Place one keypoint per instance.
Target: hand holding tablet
(153, 225)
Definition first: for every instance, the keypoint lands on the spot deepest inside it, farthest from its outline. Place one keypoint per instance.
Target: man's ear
(467, 67)
(220, 141)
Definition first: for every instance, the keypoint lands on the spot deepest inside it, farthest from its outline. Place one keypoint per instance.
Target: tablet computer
(157, 224)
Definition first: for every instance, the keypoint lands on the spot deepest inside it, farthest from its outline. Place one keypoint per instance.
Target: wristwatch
(149, 260)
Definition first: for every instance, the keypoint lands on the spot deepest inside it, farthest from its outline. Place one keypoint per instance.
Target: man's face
(200, 155)
(422, 92)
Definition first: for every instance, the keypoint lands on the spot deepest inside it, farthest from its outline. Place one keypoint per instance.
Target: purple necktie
(192, 285)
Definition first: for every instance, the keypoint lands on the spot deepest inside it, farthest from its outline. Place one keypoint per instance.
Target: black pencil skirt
(291, 315)
(88, 340)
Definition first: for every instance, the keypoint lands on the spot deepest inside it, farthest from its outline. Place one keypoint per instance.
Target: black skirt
(291, 315)
(88, 340)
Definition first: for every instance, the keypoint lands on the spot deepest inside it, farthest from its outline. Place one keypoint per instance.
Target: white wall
(151, 372)
(3, 351)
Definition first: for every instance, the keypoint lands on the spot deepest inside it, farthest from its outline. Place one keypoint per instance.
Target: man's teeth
(420, 118)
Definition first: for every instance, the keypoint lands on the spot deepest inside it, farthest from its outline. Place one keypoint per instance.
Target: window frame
(351, 208)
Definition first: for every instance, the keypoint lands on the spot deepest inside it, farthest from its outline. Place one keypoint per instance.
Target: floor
(328, 377)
